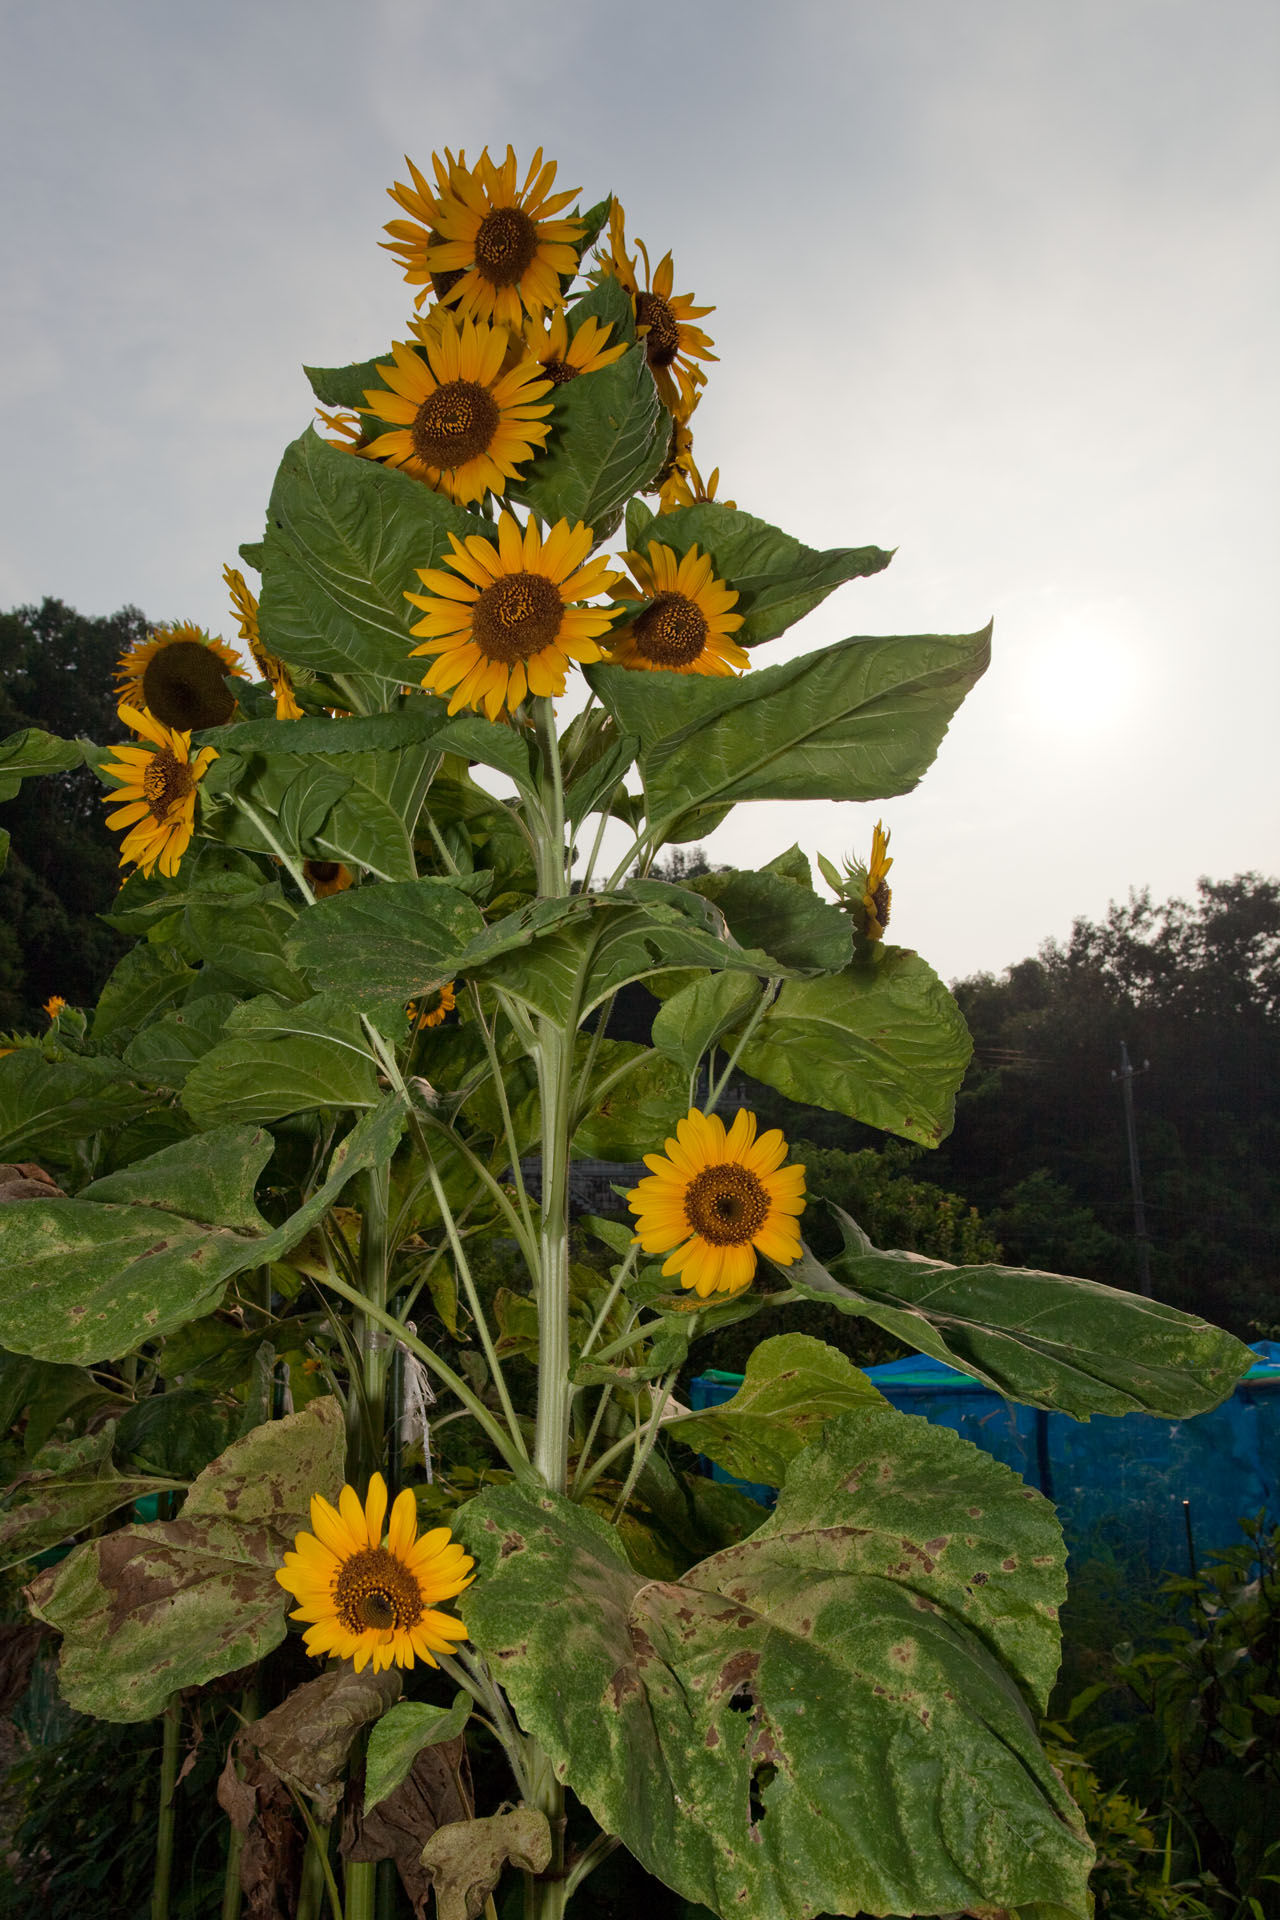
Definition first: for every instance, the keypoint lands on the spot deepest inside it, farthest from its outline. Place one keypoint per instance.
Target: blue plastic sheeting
(1118, 1482)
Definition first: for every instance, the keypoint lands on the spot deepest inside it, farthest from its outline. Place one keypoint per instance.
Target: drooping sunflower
(157, 785)
(178, 676)
(492, 249)
(687, 623)
(366, 1598)
(716, 1200)
(511, 624)
(327, 876)
(664, 319)
(461, 423)
(563, 359)
(273, 671)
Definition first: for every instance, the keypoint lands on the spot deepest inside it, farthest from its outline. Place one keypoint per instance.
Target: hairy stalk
(299, 878)
(508, 1128)
(620, 1279)
(661, 1394)
(166, 1815)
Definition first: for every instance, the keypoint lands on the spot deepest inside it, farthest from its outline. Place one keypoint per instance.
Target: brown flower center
(881, 900)
(184, 685)
(726, 1204)
(662, 342)
(505, 245)
(559, 372)
(454, 424)
(375, 1590)
(166, 783)
(671, 631)
(516, 617)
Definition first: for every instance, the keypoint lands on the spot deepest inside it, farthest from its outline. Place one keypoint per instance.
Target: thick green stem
(546, 1894)
(551, 1440)
(167, 1814)
(311, 1886)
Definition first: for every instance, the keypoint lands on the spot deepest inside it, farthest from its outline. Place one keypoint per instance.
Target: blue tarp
(1118, 1482)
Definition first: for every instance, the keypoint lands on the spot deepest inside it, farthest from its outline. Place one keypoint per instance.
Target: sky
(995, 286)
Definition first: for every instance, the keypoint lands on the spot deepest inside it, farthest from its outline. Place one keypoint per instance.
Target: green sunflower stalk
(389, 1225)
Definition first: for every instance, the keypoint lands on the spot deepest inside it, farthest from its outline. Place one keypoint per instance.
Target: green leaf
(793, 1385)
(72, 1484)
(609, 303)
(694, 1018)
(101, 1277)
(608, 438)
(385, 942)
(594, 788)
(211, 1178)
(245, 943)
(399, 1738)
(31, 753)
(859, 720)
(344, 537)
(163, 1054)
(883, 1042)
(149, 1610)
(767, 910)
(346, 386)
(1072, 1346)
(777, 579)
(634, 1116)
(146, 981)
(45, 1103)
(278, 1059)
(828, 1717)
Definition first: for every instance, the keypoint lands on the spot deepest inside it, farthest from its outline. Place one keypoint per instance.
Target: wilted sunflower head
(664, 319)
(178, 675)
(274, 672)
(863, 890)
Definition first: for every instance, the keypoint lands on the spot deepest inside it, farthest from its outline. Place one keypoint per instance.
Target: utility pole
(1126, 1076)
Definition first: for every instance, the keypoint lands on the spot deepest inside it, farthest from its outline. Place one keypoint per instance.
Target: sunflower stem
(360, 1880)
(166, 1815)
(757, 1015)
(255, 819)
(647, 1443)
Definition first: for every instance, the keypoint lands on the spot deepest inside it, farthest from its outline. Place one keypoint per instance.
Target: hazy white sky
(996, 285)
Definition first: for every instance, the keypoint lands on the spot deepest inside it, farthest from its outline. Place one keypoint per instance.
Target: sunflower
(347, 428)
(716, 1200)
(663, 319)
(53, 1006)
(686, 624)
(491, 249)
(327, 876)
(445, 1005)
(460, 422)
(864, 891)
(274, 672)
(158, 787)
(366, 1599)
(178, 676)
(508, 626)
(562, 359)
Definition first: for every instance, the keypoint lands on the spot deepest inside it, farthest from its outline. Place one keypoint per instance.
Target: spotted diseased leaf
(147, 1610)
(833, 1716)
(70, 1485)
(307, 1739)
(1046, 1339)
(793, 1385)
(466, 1858)
(46, 1103)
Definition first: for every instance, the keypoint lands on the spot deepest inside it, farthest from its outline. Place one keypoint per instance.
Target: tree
(56, 672)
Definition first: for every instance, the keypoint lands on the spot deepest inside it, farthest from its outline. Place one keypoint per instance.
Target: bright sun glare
(1080, 681)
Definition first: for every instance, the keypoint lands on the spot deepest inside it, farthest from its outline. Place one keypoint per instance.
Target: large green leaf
(344, 537)
(346, 386)
(1074, 1346)
(777, 579)
(103, 1273)
(859, 720)
(793, 1385)
(146, 981)
(278, 1059)
(634, 1115)
(399, 1738)
(807, 933)
(384, 942)
(163, 1054)
(70, 1485)
(245, 942)
(883, 1042)
(608, 438)
(46, 1103)
(695, 1017)
(32, 752)
(828, 1717)
(148, 1610)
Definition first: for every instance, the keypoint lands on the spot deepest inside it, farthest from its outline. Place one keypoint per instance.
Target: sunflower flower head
(368, 1597)
(53, 1006)
(506, 620)
(686, 624)
(564, 356)
(863, 889)
(156, 793)
(245, 607)
(178, 676)
(452, 416)
(717, 1199)
(327, 876)
(664, 319)
(488, 246)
